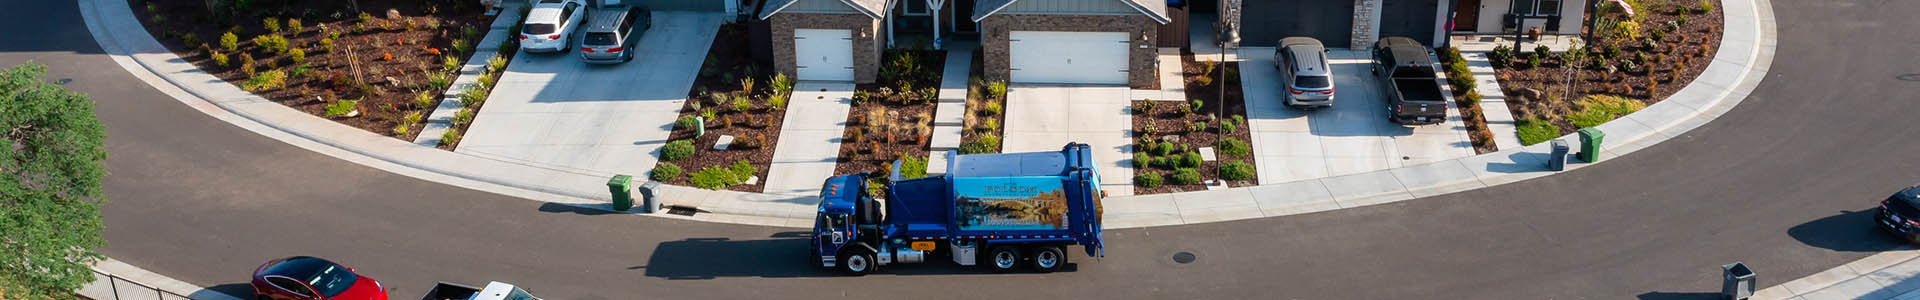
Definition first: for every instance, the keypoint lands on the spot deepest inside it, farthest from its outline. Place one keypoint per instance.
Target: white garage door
(824, 54)
(1069, 57)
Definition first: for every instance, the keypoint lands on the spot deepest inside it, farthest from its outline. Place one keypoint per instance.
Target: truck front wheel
(856, 262)
(1047, 259)
(1003, 258)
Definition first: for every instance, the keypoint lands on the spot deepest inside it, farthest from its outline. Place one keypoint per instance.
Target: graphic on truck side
(1011, 203)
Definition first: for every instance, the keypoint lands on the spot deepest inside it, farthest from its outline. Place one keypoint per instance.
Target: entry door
(823, 54)
(1466, 16)
(1069, 57)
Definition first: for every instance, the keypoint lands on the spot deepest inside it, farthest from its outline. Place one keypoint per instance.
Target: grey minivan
(1304, 71)
(611, 33)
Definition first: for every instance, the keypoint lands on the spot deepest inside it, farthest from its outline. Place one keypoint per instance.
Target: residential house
(837, 40)
(1499, 16)
(1358, 23)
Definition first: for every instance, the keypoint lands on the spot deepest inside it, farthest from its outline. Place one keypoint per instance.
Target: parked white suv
(549, 26)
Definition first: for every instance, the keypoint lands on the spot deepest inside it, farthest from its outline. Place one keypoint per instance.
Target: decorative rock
(1170, 139)
(1531, 94)
(1215, 185)
(724, 142)
(753, 180)
(1206, 154)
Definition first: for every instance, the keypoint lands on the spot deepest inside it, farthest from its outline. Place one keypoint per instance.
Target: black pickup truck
(1406, 72)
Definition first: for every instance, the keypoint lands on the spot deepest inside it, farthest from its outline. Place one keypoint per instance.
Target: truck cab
(837, 224)
(1406, 73)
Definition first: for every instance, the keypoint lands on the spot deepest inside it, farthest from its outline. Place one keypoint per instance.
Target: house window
(1536, 7)
(916, 7)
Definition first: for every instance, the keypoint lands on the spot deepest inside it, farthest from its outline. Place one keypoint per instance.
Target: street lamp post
(1228, 38)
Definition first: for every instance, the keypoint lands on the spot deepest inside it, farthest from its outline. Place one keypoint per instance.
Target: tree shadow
(1678, 296)
(1850, 231)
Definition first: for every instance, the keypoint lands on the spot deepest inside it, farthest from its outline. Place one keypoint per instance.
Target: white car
(549, 26)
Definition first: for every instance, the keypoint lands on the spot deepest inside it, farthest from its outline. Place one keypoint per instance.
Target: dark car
(312, 278)
(1900, 213)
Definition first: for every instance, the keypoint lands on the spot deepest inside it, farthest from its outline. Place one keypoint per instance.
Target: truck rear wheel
(1003, 258)
(1047, 259)
(856, 262)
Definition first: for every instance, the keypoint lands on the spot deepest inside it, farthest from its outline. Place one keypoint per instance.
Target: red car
(312, 278)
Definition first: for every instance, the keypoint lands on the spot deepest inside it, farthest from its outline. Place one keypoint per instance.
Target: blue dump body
(1023, 199)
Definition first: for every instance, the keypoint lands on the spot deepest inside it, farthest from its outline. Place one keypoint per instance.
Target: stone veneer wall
(1366, 23)
(1142, 71)
(866, 41)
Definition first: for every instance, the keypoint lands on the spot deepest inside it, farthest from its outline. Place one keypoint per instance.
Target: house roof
(872, 8)
(1156, 9)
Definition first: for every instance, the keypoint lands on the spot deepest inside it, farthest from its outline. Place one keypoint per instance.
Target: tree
(50, 173)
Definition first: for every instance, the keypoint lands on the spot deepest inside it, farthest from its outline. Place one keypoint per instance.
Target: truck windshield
(837, 221)
(519, 294)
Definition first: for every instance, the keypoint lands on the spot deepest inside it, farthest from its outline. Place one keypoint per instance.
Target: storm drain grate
(1184, 257)
(682, 210)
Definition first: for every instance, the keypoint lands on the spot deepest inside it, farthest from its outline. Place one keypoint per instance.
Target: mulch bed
(728, 61)
(893, 116)
(1691, 46)
(1169, 121)
(1470, 113)
(979, 97)
(392, 84)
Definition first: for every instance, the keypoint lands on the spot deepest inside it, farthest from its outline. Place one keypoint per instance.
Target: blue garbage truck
(998, 210)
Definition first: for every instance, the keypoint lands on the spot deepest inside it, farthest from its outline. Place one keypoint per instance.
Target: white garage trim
(1069, 57)
(823, 54)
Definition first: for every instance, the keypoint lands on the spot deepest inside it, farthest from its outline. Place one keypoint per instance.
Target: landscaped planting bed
(892, 118)
(1634, 61)
(732, 96)
(986, 113)
(380, 66)
(1468, 99)
(1169, 134)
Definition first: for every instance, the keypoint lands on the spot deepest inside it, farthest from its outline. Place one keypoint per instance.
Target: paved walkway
(1493, 102)
(810, 137)
(1352, 137)
(949, 113)
(1173, 80)
(1202, 40)
(557, 112)
(1042, 118)
(441, 118)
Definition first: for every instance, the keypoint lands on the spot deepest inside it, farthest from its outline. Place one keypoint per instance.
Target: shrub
(1500, 56)
(1147, 180)
(326, 44)
(781, 83)
(484, 81)
(437, 81)
(271, 42)
(219, 58)
(450, 137)
(1533, 61)
(1163, 148)
(992, 125)
(365, 17)
(449, 64)
(1185, 176)
(777, 101)
(461, 46)
(1146, 107)
(1236, 170)
(341, 108)
(424, 99)
(402, 129)
(1196, 127)
(1164, 162)
(1196, 105)
(297, 55)
(715, 178)
(989, 140)
(676, 150)
(462, 117)
(271, 24)
(230, 42)
(743, 169)
(1534, 131)
(1239, 120)
(1543, 50)
(1227, 127)
(1141, 159)
(686, 122)
(1472, 98)
(1705, 6)
(298, 71)
(912, 167)
(664, 171)
(1233, 147)
(740, 104)
(1597, 109)
(496, 64)
(246, 64)
(271, 79)
(293, 25)
(1190, 160)
(189, 39)
(993, 108)
(974, 148)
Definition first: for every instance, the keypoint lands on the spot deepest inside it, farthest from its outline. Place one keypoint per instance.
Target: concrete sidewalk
(809, 144)
(1042, 118)
(949, 112)
(1888, 275)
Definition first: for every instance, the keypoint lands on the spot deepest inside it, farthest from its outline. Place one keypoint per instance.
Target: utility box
(621, 186)
(1590, 144)
(1557, 159)
(1737, 281)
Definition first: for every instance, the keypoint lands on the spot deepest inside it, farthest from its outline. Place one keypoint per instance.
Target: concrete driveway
(557, 111)
(1351, 137)
(1045, 117)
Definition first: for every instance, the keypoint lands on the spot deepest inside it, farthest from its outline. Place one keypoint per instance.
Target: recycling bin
(1557, 160)
(1590, 144)
(1737, 282)
(621, 186)
(648, 202)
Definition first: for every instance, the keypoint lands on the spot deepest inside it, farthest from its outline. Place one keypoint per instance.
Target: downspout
(935, 14)
(888, 18)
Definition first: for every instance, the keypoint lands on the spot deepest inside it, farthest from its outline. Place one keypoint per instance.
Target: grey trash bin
(648, 202)
(1737, 281)
(1557, 160)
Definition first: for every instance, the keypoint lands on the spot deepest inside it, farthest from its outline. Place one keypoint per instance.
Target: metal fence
(109, 287)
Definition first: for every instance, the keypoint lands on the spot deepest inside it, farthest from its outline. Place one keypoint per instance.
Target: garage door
(1069, 57)
(823, 54)
(1265, 22)
(1410, 18)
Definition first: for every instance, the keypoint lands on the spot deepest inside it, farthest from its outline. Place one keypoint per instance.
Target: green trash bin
(622, 188)
(1590, 141)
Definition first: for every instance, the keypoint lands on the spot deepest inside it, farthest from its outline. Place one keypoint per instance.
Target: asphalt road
(1783, 182)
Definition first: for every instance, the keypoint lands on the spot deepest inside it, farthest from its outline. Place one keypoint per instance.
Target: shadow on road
(783, 255)
(237, 290)
(581, 209)
(1851, 231)
(1678, 296)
